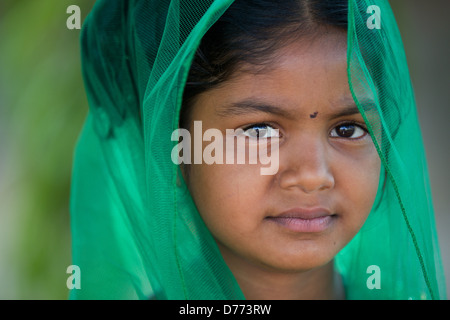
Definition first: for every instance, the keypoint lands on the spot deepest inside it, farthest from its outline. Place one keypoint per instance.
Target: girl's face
(326, 183)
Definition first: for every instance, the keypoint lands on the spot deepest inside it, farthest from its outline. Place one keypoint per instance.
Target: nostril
(309, 181)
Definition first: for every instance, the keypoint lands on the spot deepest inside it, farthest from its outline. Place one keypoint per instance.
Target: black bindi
(313, 115)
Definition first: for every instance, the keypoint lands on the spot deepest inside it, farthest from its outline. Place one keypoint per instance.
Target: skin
(317, 168)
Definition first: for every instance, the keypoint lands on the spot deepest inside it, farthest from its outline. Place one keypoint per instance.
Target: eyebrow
(253, 105)
(351, 108)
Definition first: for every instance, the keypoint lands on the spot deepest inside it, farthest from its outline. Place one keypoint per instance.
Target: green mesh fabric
(136, 232)
(399, 235)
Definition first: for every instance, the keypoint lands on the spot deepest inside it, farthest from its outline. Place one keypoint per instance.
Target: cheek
(358, 181)
(226, 195)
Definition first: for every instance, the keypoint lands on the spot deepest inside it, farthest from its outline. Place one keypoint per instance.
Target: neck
(260, 283)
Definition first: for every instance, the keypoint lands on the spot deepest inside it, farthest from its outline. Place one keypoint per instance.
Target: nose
(306, 165)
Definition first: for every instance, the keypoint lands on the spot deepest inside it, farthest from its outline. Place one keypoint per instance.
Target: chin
(303, 259)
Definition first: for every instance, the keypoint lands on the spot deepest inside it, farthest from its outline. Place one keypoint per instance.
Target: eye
(261, 131)
(348, 131)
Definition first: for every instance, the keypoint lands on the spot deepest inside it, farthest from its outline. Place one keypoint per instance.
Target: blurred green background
(43, 106)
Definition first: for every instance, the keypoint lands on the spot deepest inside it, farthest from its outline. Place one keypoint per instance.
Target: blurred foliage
(42, 109)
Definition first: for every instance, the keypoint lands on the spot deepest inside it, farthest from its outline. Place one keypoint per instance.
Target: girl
(322, 86)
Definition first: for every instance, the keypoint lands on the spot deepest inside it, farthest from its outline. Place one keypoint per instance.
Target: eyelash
(260, 124)
(356, 124)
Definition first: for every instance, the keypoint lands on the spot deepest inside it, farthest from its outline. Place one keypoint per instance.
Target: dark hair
(250, 32)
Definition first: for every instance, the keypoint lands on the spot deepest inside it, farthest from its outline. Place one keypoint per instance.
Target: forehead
(308, 73)
(308, 60)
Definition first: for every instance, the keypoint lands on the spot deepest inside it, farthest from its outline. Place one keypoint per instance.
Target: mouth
(304, 220)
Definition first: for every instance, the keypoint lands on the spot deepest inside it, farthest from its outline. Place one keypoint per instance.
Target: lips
(307, 220)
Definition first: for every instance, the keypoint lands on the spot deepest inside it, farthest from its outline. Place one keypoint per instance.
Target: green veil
(136, 232)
